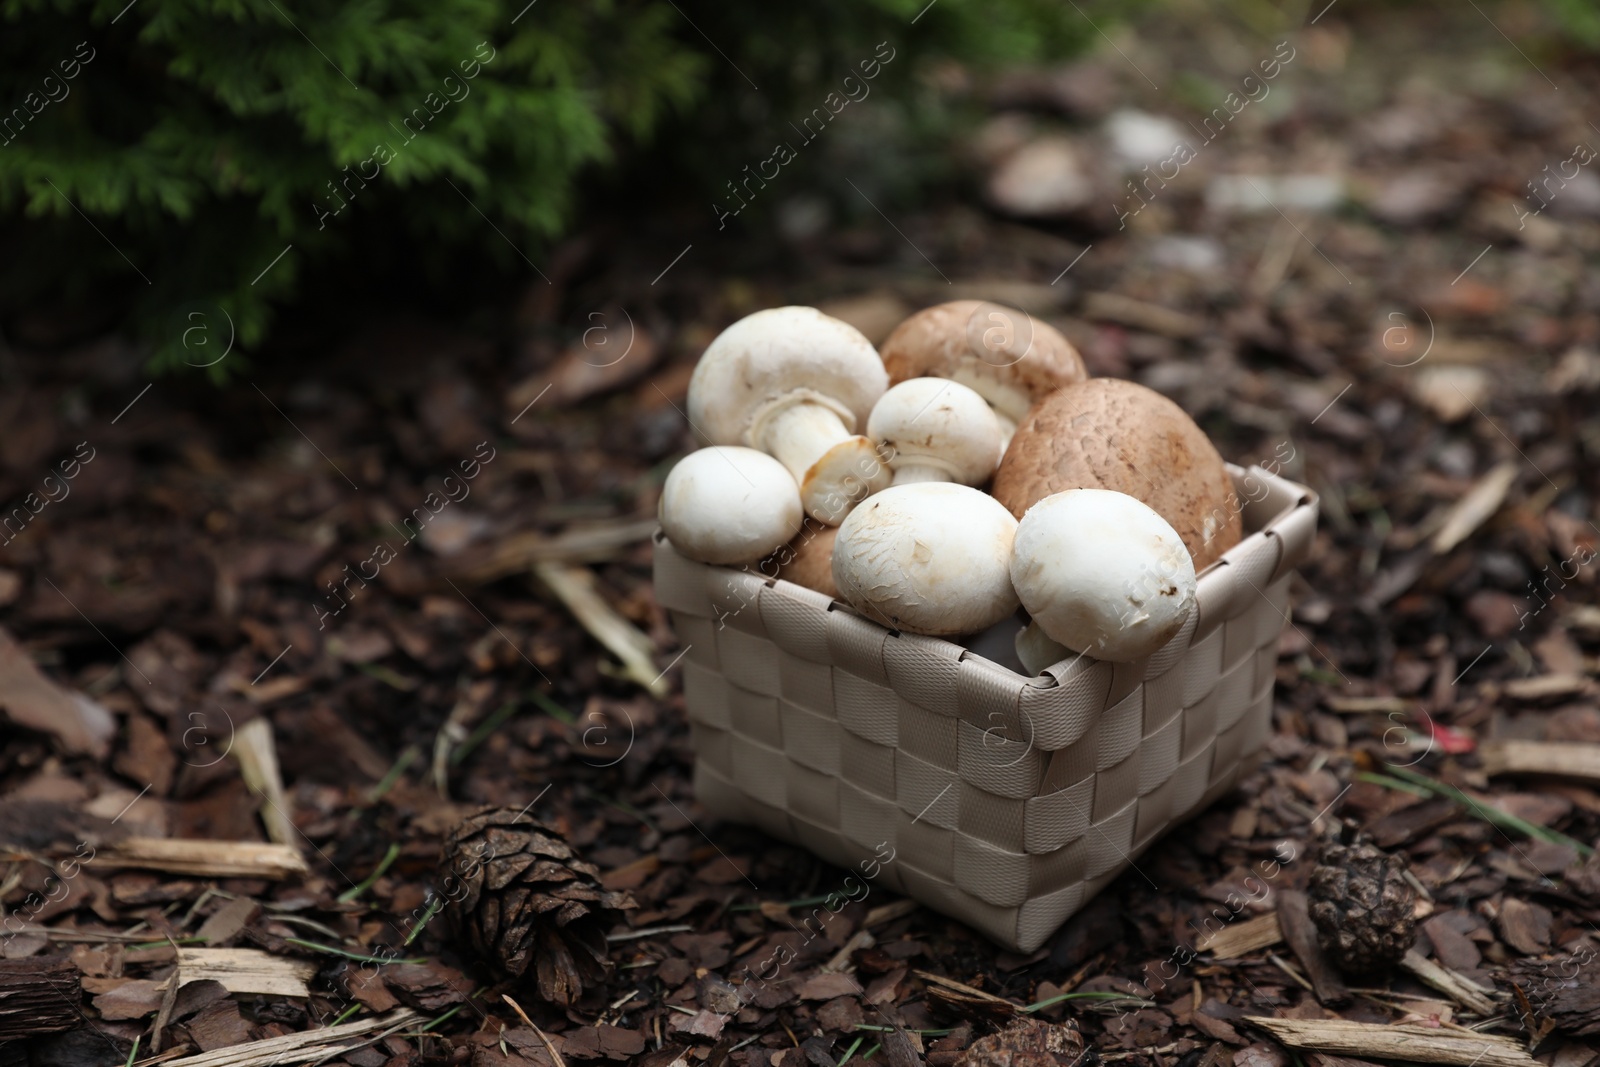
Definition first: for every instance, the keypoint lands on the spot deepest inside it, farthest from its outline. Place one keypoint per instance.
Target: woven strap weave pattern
(1008, 801)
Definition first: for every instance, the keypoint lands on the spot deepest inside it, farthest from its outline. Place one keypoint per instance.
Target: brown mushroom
(1010, 358)
(1114, 434)
(808, 559)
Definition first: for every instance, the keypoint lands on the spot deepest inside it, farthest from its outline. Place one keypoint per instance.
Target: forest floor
(1350, 280)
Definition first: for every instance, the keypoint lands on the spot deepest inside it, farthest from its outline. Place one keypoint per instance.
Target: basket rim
(1295, 497)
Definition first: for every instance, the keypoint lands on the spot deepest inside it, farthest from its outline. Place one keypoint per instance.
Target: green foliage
(163, 154)
(1579, 20)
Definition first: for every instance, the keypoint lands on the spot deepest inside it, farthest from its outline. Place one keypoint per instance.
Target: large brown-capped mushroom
(1008, 357)
(808, 559)
(936, 430)
(729, 505)
(928, 558)
(796, 384)
(1107, 433)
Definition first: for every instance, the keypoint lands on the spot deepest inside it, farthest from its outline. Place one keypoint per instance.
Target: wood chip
(1411, 822)
(227, 921)
(1475, 508)
(38, 997)
(1464, 992)
(840, 960)
(302, 1047)
(34, 702)
(575, 588)
(966, 1001)
(1451, 392)
(218, 1026)
(1566, 759)
(209, 859)
(246, 970)
(517, 553)
(1409, 1043)
(1545, 688)
(1294, 919)
(1367, 705)
(257, 753)
(899, 1048)
(133, 998)
(1126, 311)
(1241, 939)
(883, 913)
(1525, 926)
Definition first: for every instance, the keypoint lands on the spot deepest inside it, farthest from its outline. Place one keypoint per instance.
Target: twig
(1117, 1057)
(649, 931)
(593, 544)
(554, 1055)
(574, 587)
(1405, 1042)
(207, 859)
(1284, 966)
(1448, 982)
(257, 754)
(1239, 939)
(297, 1048)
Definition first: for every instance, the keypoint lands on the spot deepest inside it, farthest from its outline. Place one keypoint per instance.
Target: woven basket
(1007, 801)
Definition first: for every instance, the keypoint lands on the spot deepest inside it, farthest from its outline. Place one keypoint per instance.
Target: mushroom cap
(941, 422)
(771, 357)
(1102, 574)
(1107, 433)
(929, 558)
(729, 505)
(808, 559)
(1011, 358)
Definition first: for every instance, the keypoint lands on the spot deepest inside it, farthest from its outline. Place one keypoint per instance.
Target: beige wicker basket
(1008, 801)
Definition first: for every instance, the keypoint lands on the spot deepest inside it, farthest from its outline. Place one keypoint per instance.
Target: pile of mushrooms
(863, 476)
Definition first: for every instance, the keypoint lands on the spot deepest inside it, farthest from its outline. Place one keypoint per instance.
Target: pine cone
(1362, 906)
(522, 899)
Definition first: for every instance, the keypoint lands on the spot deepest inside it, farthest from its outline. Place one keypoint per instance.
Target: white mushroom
(936, 430)
(796, 384)
(1012, 359)
(1036, 650)
(1102, 573)
(729, 505)
(929, 558)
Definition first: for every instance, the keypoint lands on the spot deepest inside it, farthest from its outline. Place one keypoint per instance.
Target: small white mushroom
(729, 505)
(928, 558)
(1012, 359)
(796, 384)
(936, 430)
(1036, 651)
(1102, 573)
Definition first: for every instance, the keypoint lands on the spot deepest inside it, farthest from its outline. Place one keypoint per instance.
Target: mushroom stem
(926, 471)
(836, 469)
(800, 434)
(1008, 427)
